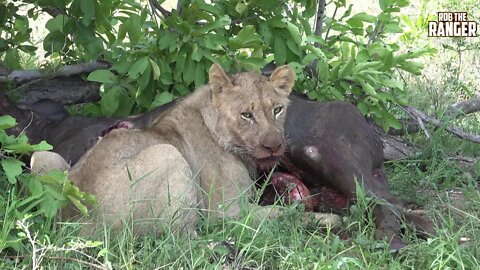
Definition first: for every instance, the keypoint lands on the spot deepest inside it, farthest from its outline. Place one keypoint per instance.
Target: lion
(197, 158)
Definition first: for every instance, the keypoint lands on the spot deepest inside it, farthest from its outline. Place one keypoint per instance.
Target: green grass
(285, 243)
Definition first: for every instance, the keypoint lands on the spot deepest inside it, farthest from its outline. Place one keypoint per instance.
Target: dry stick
(463, 108)
(421, 125)
(454, 130)
(19, 76)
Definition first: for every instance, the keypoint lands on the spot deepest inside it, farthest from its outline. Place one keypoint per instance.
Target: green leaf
(57, 23)
(189, 71)
(144, 80)
(125, 103)
(308, 59)
(121, 66)
(392, 83)
(88, 9)
(364, 17)
(367, 88)
(310, 8)
(6, 121)
(199, 74)
(266, 31)
(366, 66)
(42, 146)
(393, 27)
(306, 25)
(167, 39)
(156, 70)
(241, 7)
(79, 205)
(133, 27)
(370, 101)
(298, 69)
(384, 4)
(49, 206)
(219, 23)
(138, 68)
(162, 98)
(278, 22)
(293, 29)
(109, 101)
(280, 51)
(197, 53)
(12, 59)
(12, 168)
(246, 38)
(390, 121)
(412, 67)
(102, 76)
(35, 186)
(323, 70)
(346, 69)
(293, 47)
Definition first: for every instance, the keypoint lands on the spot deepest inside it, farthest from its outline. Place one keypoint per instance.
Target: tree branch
(21, 76)
(53, 11)
(180, 7)
(333, 19)
(319, 17)
(454, 130)
(463, 107)
(156, 6)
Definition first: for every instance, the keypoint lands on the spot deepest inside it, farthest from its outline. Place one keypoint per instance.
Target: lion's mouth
(265, 164)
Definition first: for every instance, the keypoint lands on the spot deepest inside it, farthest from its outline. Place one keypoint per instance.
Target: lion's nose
(273, 145)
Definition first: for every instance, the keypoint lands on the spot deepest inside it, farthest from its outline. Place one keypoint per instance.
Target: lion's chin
(265, 164)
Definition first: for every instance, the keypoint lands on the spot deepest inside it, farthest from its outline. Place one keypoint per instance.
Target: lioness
(199, 154)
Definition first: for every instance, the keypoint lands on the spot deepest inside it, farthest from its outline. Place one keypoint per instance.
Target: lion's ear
(218, 77)
(283, 78)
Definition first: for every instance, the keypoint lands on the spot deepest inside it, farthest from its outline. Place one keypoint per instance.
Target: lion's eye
(247, 115)
(278, 110)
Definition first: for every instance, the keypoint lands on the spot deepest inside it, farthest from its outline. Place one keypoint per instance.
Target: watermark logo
(452, 24)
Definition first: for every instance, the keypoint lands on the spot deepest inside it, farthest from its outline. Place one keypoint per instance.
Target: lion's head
(250, 112)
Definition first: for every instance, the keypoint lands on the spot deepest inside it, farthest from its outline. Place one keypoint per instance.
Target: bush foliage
(159, 55)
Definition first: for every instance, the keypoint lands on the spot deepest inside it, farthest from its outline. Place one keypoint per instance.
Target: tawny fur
(213, 143)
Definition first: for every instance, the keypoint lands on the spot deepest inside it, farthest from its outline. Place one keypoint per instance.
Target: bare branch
(21, 76)
(454, 130)
(319, 17)
(333, 18)
(180, 7)
(421, 125)
(53, 11)
(156, 6)
(238, 21)
(463, 107)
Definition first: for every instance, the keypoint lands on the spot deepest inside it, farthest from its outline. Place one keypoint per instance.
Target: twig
(333, 19)
(421, 125)
(156, 6)
(376, 32)
(452, 129)
(238, 21)
(39, 250)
